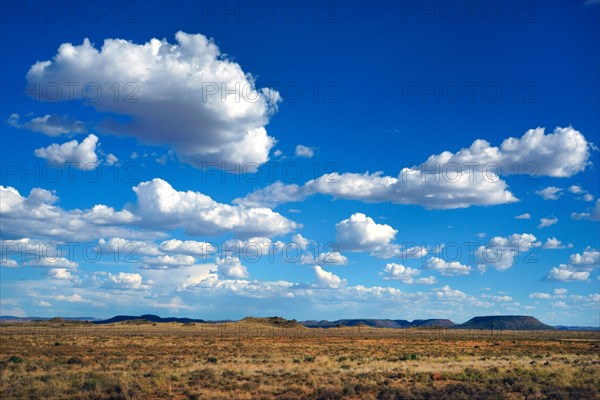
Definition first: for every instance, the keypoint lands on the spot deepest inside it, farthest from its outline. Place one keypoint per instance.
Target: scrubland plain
(254, 360)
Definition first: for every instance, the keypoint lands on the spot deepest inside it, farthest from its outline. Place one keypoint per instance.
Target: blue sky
(311, 159)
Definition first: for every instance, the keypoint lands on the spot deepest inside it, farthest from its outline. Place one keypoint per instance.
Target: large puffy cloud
(500, 252)
(160, 205)
(80, 155)
(187, 95)
(448, 180)
(361, 233)
(37, 215)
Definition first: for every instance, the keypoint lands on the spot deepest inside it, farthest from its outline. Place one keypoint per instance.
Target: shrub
(328, 394)
(348, 390)
(90, 385)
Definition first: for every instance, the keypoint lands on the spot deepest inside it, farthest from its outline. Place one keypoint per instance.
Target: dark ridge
(380, 323)
(577, 328)
(494, 322)
(9, 318)
(146, 317)
(432, 323)
(272, 321)
(504, 322)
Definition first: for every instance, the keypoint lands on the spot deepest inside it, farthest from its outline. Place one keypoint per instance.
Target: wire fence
(39, 333)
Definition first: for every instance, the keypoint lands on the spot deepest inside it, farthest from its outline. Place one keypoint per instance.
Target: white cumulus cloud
(471, 176)
(446, 268)
(80, 155)
(362, 233)
(566, 273)
(500, 252)
(326, 279)
(187, 95)
(304, 151)
(160, 205)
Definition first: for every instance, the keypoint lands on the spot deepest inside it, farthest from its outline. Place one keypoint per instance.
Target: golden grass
(254, 361)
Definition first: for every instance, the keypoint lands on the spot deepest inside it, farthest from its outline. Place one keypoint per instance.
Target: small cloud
(566, 273)
(554, 243)
(162, 160)
(559, 304)
(546, 222)
(523, 216)
(303, 151)
(8, 263)
(111, 159)
(550, 193)
(51, 125)
(74, 298)
(231, 268)
(399, 272)
(277, 153)
(327, 280)
(446, 268)
(560, 291)
(538, 295)
(60, 274)
(80, 155)
(430, 280)
(576, 189)
(592, 215)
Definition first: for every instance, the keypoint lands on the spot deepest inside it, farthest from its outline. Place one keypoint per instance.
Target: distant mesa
(432, 323)
(505, 322)
(381, 323)
(273, 321)
(144, 319)
(493, 322)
